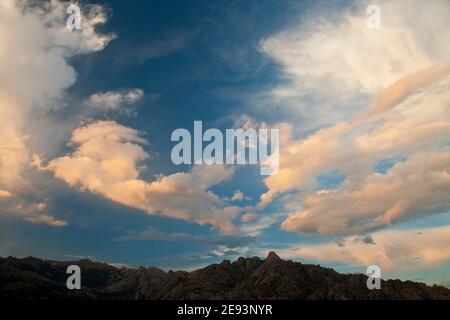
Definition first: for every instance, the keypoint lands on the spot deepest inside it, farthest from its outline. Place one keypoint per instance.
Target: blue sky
(359, 159)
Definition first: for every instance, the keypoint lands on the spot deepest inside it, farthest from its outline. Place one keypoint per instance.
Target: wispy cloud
(46, 219)
(407, 81)
(151, 233)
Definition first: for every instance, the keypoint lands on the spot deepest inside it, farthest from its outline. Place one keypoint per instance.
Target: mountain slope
(246, 278)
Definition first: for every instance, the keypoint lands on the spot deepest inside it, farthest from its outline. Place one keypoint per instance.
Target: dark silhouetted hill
(246, 278)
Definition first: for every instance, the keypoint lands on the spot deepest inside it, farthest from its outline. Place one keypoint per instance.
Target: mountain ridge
(245, 278)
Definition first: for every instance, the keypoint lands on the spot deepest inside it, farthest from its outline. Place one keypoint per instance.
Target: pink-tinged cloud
(418, 186)
(392, 250)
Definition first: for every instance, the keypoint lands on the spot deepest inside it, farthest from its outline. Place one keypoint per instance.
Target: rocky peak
(272, 256)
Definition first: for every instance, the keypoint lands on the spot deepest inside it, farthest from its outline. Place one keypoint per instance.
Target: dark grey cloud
(368, 240)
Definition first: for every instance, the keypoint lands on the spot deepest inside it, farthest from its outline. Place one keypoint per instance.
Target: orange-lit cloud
(106, 160)
(419, 186)
(401, 89)
(34, 73)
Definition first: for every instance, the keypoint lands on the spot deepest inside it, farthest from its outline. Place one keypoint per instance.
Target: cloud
(13, 151)
(255, 224)
(222, 251)
(418, 186)
(338, 51)
(5, 194)
(401, 127)
(392, 250)
(114, 101)
(247, 217)
(237, 196)
(401, 89)
(331, 65)
(370, 95)
(47, 220)
(107, 153)
(34, 74)
(30, 211)
(37, 45)
(106, 160)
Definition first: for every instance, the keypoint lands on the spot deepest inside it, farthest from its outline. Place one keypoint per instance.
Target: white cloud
(332, 65)
(13, 151)
(36, 45)
(237, 196)
(340, 52)
(254, 224)
(115, 101)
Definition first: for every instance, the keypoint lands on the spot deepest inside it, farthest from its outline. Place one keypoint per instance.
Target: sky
(363, 115)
